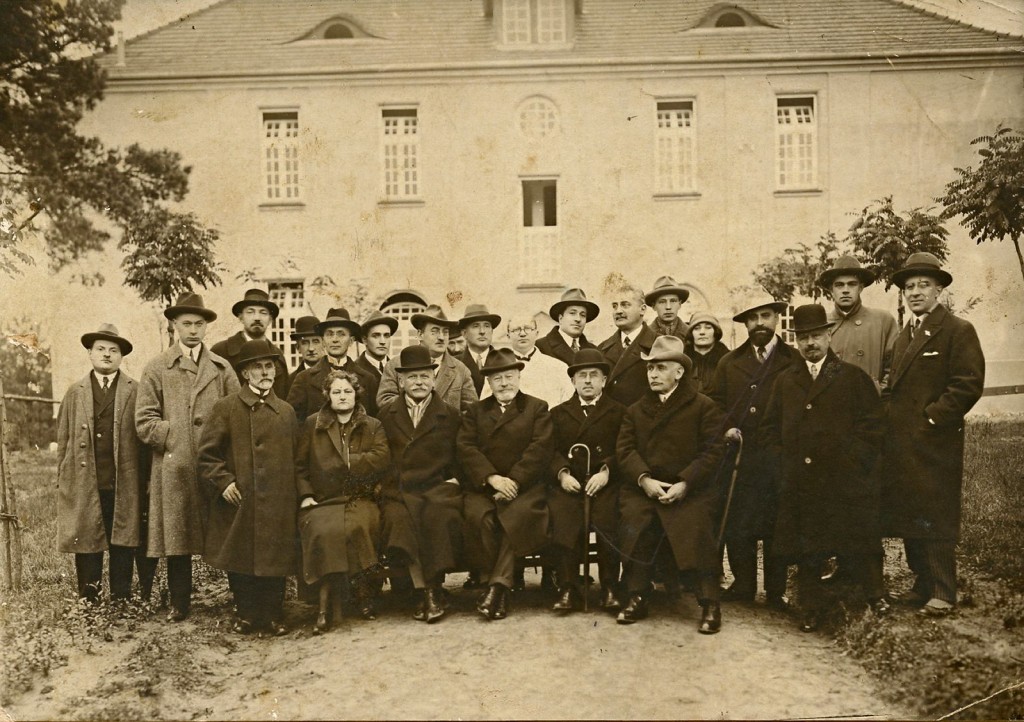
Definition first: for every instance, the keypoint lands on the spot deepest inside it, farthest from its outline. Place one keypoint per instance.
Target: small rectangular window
(281, 156)
(675, 147)
(540, 250)
(400, 142)
(796, 133)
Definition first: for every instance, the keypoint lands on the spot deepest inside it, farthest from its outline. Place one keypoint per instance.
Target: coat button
(753, 386)
(85, 426)
(81, 445)
(808, 407)
(83, 463)
(858, 322)
(753, 409)
(860, 352)
(807, 460)
(197, 422)
(99, 435)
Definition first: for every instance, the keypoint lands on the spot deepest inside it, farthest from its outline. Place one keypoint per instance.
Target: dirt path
(528, 666)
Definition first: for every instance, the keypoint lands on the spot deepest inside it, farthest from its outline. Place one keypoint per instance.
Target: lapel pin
(927, 332)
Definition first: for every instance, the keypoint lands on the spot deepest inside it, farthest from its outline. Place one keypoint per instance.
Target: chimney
(121, 61)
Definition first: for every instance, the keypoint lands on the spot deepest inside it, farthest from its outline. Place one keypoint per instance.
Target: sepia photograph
(650, 359)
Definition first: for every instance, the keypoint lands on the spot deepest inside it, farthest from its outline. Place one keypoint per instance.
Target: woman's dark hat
(107, 332)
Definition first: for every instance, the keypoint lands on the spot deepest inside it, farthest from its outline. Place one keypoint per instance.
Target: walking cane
(728, 498)
(586, 522)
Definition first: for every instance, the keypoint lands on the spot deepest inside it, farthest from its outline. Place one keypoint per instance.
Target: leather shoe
(778, 602)
(634, 611)
(420, 615)
(241, 626)
(609, 602)
(880, 607)
(321, 625)
(277, 628)
(434, 605)
(568, 601)
(734, 594)
(488, 601)
(936, 608)
(911, 598)
(500, 608)
(710, 618)
(177, 615)
(809, 622)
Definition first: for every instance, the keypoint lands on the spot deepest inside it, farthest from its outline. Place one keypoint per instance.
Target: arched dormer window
(730, 20)
(727, 15)
(337, 29)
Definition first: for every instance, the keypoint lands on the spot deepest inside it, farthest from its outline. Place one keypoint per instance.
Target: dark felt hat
(338, 317)
(189, 303)
(922, 264)
(256, 350)
(432, 314)
(669, 348)
(256, 297)
(666, 284)
(574, 297)
(376, 318)
(589, 358)
(499, 360)
(414, 358)
(846, 266)
(478, 312)
(107, 332)
(305, 326)
(810, 317)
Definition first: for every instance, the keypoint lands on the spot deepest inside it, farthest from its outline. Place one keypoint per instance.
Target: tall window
(540, 250)
(290, 297)
(281, 156)
(526, 22)
(400, 144)
(675, 147)
(796, 133)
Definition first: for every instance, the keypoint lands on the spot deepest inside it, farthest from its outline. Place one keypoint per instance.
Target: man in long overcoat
(591, 418)
(309, 346)
(627, 383)
(247, 459)
(571, 314)
(741, 388)
(505, 444)
(176, 396)
(938, 374)
(668, 450)
(257, 314)
(421, 500)
(100, 483)
(822, 433)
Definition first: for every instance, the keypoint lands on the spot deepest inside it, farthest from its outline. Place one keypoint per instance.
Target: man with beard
(377, 331)
(666, 299)
(742, 385)
(477, 328)
(571, 314)
(627, 382)
(308, 345)
(256, 312)
(704, 345)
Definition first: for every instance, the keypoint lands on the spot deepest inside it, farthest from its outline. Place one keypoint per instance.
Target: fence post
(10, 530)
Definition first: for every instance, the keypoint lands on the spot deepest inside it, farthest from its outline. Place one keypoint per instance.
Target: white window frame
(540, 260)
(280, 161)
(400, 153)
(406, 335)
(525, 23)
(675, 147)
(797, 147)
(290, 296)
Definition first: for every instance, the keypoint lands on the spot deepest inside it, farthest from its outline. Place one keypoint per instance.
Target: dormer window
(730, 20)
(338, 31)
(725, 16)
(529, 23)
(337, 28)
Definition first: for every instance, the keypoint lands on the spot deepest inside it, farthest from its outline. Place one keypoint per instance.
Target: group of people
(460, 456)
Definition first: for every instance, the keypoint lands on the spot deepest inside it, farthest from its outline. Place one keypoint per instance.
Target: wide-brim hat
(414, 358)
(432, 314)
(669, 348)
(189, 303)
(702, 317)
(256, 297)
(376, 318)
(666, 284)
(763, 301)
(107, 332)
(589, 358)
(846, 266)
(922, 264)
(478, 312)
(810, 317)
(305, 326)
(256, 350)
(499, 360)
(574, 297)
(339, 318)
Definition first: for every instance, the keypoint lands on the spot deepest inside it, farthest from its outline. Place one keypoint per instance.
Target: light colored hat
(666, 284)
(760, 301)
(668, 348)
(432, 314)
(479, 312)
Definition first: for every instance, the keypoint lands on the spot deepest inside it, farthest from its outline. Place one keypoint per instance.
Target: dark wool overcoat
(679, 440)
(741, 388)
(469, 361)
(79, 519)
(939, 375)
(421, 505)
(231, 347)
(251, 444)
(627, 382)
(552, 344)
(370, 377)
(517, 444)
(823, 437)
(176, 397)
(306, 395)
(705, 365)
(598, 429)
(336, 463)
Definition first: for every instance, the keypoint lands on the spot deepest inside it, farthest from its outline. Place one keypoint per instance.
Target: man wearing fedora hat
(247, 461)
(666, 299)
(627, 382)
(591, 418)
(477, 327)
(376, 332)
(257, 313)
(741, 387)
(456, 342)
(308, 345)
(668, 450)
(938, 374)
(822, 433)
(504, 446)
(861, 336)
(338, 331)
(176, 396)
(704, 345)
(421, 501)
(454, 381)
(571, 313)
(101, 472)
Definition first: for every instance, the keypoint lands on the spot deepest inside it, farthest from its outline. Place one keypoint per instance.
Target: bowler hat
(810, 317)
(432, 314)
(846, 266)
(760, 301)
(479, 312)
(305, 326)
(499, 360)
(589, 358)
(574, 297)
(666, 284)
(703, 317)
(922, 264)
(107, 332)
(376, 318)
(668, 348)
(414, 358)
(256, 297)
(338, 317)
(189, 303)
(256, 350)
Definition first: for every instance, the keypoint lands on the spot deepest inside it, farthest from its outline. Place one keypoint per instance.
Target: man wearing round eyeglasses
(543, 376)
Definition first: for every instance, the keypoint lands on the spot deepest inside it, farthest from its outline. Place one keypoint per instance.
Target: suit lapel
(208, 371)
(400, 416)
(829, 370)
(121, 392)
(631, 355)
(445, 375)
(930, 328)
(429, 420)
(86, 385)
(511, 411)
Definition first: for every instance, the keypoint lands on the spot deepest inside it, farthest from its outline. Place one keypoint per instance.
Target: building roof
(268, 37)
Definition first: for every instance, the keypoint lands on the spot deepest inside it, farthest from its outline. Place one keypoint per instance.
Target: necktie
(814, 372)
(575, 345)
(480, 360)
(625, 341)
(502, 407)
(760, 354)
(586, 408)
(915, 324)
(106, 384)
(380, 365)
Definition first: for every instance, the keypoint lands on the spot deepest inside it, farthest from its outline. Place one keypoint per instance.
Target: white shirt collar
(630, 337)
(100, 377)
(769, 346)
(568, 339)
(374, 362)
(814, 368)
(192, 353)
(665, 396)
(590, 403)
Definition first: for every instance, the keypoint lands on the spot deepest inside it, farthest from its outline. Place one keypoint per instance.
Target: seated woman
(341, 458)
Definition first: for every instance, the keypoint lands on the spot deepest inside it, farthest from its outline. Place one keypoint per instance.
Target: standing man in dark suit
(421, 501)
(591, 418)
(741, 388)
(505, 444)
(377, 331)
(477, 327)
(666, 300)
(627, 382)
(257, 313)
(571, 315)
(938, 374)
(308, 345)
